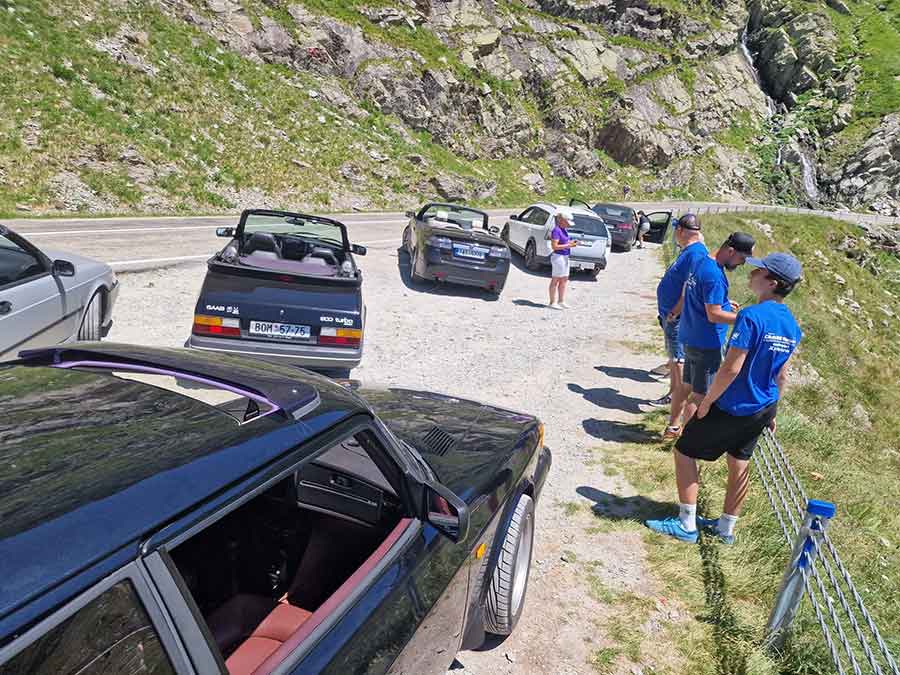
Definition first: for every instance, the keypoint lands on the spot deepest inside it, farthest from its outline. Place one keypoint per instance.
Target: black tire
(92, 321)
(509, 583)
(594, 273)
(406, 236)
(531, 261)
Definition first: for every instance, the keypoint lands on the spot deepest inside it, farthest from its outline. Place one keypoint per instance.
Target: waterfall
(809, 177)
(748, 57)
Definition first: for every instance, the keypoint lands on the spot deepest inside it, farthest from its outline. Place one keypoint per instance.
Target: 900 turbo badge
(342, 320)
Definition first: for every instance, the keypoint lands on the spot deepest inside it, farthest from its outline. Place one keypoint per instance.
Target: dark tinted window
(538, 217)
(110, 635)
(17, 264)
(588, 225)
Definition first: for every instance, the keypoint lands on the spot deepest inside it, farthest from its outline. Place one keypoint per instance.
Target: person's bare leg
(554, 282)
(563, 282)
(738, 485)
(679, 393)
(691, 406)
(687, 478)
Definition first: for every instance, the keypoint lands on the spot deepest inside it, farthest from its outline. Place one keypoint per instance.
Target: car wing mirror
(446, 512)
(493, 229)
(63, 268)
(514, 216)
(357, 249)
(225, 232)
(410, 214)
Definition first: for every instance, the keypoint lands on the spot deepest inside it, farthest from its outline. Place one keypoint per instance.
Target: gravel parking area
(578, 370)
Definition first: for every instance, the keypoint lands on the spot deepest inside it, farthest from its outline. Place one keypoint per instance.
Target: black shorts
(700, 367)
(717, 433)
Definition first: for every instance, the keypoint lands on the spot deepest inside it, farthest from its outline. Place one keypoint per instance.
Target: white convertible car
(528, 233)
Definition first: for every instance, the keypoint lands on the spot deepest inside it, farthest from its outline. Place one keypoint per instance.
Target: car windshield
(455, 215)
(296, 225)
(611, 212)
(588, 225)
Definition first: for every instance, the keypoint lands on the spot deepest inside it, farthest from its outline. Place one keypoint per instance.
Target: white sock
(726, 524)
(687, 514)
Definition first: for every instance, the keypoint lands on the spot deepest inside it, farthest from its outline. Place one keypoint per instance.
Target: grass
(850, 461)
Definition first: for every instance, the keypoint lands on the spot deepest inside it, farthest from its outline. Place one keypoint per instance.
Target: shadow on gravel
(609, 398)
(519, 263)
(613, 507)
(437, 288)
(521, 302)
(622, 373)
(619, 432)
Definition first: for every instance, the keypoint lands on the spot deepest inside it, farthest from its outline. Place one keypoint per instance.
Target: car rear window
(588, 225)
(618, 213)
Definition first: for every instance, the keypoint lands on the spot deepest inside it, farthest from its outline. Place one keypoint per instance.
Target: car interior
(292, 254)
(259, 574)
(444, 216)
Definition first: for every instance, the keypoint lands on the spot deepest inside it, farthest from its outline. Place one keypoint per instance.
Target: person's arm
(556, 246)
(716, 314)
(728, 371)
(676, 310)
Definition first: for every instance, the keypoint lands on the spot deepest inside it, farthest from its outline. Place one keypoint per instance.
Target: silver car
(48, 297)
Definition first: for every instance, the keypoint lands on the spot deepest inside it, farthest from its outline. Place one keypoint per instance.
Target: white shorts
(559, 264)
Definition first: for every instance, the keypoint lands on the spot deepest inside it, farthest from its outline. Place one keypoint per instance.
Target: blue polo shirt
(669, 290)
(770, 334)
(706, 285)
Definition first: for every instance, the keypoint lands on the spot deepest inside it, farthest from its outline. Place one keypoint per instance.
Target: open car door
(579, 203)
(659, 225)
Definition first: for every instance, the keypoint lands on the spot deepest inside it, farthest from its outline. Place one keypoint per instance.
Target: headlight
(499, 252)
(439, 242)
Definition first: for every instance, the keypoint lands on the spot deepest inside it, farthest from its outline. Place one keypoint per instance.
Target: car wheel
(406, 236)
(93, 318)
(594, 273)
(506, 596)
(531, 261)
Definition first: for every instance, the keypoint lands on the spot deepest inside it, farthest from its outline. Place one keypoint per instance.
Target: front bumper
(304, 355)
(466, 274)
(545, 460)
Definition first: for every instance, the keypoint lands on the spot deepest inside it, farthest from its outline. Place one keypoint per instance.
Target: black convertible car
(449, 242)
(173, 511)
(285, 288)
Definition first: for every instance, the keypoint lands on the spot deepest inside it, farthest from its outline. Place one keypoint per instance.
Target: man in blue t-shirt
(742, 400)
(706, 313)
(668, 297)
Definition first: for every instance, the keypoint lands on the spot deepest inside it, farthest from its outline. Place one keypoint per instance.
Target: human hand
(735, 306)
(671, 318)
(772, 426)
(573, 243)
(702, 409)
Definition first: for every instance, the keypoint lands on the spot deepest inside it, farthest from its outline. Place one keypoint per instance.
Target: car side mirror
(63, 268)
(446, 512)
(493, 229)
(514, 216)
(410, 214)
(357, 249)
(225, 232)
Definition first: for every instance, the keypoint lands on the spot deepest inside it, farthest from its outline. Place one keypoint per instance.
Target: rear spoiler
(293, 399)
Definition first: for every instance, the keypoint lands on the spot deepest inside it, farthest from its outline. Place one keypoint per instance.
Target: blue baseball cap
(783, 265)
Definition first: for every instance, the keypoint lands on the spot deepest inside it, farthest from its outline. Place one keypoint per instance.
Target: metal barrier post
(787, 602)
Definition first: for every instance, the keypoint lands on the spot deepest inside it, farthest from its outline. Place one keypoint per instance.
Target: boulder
(272, 39)
(450, 188)
(534, 182)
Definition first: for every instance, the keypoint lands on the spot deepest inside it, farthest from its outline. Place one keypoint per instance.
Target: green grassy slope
(842, 453)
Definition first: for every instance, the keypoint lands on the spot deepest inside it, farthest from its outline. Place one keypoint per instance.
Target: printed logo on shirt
(779, 343)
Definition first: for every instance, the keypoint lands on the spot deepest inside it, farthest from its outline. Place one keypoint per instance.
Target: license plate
(278, 330)
(463, 251)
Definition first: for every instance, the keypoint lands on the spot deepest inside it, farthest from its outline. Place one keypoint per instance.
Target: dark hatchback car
(623, 223)
(172, 511)
(454, 243)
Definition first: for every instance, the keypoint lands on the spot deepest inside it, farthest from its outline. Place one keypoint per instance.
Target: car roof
(91, 464)
(553, 208)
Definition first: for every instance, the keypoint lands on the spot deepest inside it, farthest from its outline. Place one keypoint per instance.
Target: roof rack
(293, 399)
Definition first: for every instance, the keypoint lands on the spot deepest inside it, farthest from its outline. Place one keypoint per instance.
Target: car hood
(469, 445)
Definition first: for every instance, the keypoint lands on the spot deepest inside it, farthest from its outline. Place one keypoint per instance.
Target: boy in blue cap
(741, 401)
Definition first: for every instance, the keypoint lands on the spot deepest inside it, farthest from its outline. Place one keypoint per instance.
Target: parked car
(623, 223)
(48, 297)
(286, 288)
(528, 234)
(174, 511)
(454, 243)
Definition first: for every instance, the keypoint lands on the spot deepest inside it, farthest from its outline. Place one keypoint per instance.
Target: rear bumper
(580, 263)
(465, 274)
(305, 355)
(621, 237)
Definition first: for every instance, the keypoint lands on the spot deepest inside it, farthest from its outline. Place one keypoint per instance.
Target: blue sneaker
(672, 527)
(711, 526)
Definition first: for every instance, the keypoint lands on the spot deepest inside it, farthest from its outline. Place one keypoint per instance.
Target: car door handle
(5, 307)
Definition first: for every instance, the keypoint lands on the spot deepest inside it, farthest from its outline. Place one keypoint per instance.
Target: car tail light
(499, 252)
(439, 242)
(340, 337)
(623, 226)
(216, 325)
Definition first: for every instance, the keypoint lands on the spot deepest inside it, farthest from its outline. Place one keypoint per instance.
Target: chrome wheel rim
(523, 564)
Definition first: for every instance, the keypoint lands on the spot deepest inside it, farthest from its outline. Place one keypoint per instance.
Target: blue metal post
(787, 602)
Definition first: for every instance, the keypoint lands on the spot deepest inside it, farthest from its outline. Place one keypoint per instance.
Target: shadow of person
(613, 507)
(521, 302)
(619, 432)
(404, 267)
(609, 398)
(622, 373)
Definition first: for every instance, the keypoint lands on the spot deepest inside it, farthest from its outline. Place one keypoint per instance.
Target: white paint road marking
(206, 256)
(116, 230)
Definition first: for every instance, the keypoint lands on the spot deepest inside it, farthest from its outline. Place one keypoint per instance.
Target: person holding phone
(561, 246)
